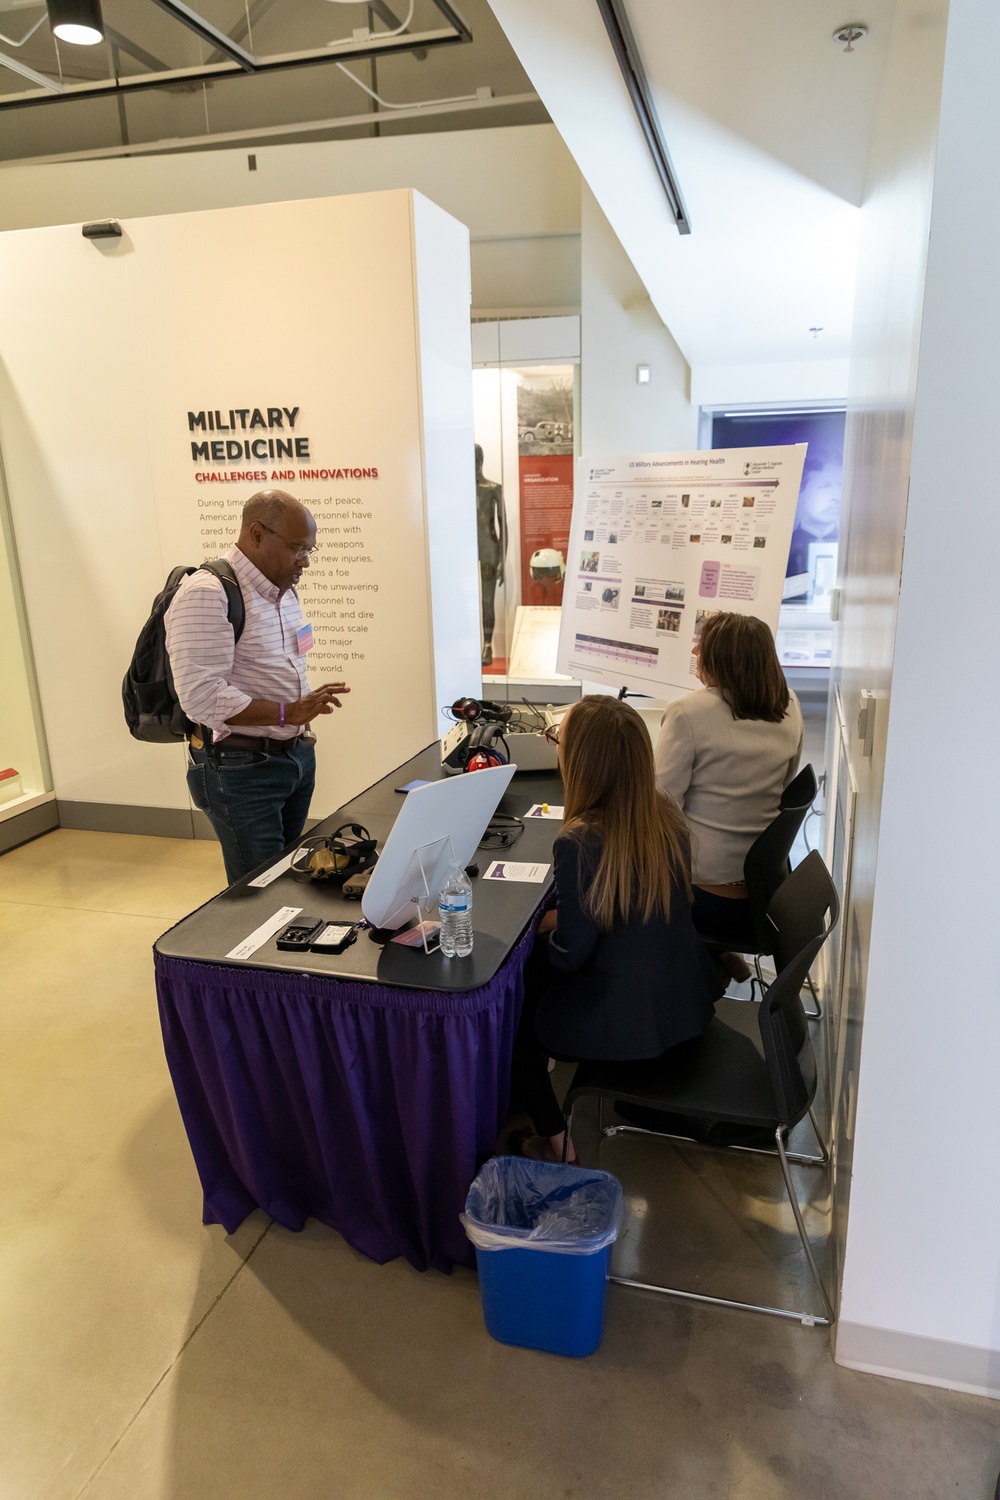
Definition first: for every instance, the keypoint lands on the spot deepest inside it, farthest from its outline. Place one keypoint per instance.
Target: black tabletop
(500, 911)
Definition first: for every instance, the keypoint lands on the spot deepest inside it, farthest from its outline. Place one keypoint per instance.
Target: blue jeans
(256, 802)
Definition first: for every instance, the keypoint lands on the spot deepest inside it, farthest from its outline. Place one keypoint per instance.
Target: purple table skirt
(366, 1107)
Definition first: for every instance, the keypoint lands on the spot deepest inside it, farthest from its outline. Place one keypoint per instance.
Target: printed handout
(517, 870)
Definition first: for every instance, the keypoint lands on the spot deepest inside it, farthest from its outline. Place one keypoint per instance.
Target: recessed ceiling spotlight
(76, 21)
(848, 35)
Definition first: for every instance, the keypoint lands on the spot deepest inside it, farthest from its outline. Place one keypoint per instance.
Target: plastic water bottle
(455, 908)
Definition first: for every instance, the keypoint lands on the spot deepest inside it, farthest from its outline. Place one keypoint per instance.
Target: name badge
(304, 636)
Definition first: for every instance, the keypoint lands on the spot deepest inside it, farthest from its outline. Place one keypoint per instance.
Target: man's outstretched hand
(322, 700)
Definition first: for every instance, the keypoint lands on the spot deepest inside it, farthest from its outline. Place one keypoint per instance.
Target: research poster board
(660, 541)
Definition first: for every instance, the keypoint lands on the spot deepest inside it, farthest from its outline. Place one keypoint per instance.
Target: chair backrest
(799, 910)
(766, 862)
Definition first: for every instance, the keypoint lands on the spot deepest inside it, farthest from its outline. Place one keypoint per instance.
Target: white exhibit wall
(921, 1291)
(890, 292)
(779, 383)
(72, 432)
(516, 187)
(255, 307)
(446, 420)
(620, 329)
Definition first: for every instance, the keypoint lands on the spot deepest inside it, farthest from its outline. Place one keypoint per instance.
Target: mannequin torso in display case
(492, 534)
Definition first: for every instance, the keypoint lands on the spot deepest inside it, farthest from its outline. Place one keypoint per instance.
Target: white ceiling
(769, 72)
(767, 122)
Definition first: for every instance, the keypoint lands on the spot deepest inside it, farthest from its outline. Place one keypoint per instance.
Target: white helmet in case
(547, 565)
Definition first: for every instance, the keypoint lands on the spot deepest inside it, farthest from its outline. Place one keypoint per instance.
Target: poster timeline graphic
(660, 541)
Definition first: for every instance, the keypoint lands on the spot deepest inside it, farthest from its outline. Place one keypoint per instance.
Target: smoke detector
(848, 35)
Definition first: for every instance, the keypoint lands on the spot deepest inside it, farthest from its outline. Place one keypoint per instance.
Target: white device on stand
(439, 824)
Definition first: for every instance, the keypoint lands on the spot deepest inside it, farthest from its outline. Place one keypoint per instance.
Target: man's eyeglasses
(292, 546)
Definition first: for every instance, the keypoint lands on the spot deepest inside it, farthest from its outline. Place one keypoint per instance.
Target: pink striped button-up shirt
(215, 679)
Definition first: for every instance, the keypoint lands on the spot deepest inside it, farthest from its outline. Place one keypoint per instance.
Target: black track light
(76, 21)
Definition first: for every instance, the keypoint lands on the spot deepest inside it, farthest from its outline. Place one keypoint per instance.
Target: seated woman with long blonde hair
(618, 972)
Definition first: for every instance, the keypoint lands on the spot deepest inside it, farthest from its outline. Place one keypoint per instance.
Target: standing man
(252, 764)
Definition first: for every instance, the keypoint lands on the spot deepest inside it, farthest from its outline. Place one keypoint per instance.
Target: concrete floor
(144, 1357)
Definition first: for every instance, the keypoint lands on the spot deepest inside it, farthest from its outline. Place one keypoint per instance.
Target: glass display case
(526, 395)
(25, 783)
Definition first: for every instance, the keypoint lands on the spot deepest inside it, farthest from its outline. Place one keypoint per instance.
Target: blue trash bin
(543, 1235)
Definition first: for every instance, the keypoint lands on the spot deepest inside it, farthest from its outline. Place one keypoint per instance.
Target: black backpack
(152, 711)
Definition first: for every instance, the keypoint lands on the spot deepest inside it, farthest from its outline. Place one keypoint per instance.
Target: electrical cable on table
(502, 831)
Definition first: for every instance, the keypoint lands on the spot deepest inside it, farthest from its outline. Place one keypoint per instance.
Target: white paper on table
(511, 869)
(260, 934)
(545, 810)
(275, 870)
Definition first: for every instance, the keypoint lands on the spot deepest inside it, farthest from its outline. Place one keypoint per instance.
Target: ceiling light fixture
(850, 34)
(76, 21)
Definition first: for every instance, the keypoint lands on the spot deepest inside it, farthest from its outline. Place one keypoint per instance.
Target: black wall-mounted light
(77, 21)
(103, 229)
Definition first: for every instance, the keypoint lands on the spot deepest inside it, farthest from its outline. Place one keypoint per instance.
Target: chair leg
(819, 1137)
(812, 1015)
(600, 1113)
(567, 1127)
(808, 1320)
(817, 1014)
(786, 1172)
(755, 979)
(799, 1159)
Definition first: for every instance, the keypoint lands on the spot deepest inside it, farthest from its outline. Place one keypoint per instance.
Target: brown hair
(610, 780)
(738, 657)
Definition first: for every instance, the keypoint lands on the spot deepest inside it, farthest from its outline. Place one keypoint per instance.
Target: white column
(921, 1288)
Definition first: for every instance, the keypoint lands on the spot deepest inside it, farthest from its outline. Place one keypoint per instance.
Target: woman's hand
(548, 922)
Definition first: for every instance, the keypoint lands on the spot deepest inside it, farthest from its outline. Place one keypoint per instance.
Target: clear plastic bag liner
(517, 1204)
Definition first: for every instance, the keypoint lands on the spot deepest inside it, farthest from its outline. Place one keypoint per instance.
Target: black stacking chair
(765, 867)
(725, 1077)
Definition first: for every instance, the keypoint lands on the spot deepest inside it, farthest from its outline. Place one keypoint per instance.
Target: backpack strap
(237, 610)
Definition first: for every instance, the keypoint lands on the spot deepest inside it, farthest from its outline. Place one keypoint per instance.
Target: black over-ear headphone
(486, 748)
(471, 709)
(330, 857)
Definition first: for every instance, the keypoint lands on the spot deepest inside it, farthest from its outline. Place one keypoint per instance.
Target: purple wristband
(281, 716)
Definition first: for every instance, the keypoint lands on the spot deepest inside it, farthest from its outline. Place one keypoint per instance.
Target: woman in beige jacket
(725, 753)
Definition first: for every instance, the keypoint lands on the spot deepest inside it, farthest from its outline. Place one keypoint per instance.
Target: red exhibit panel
(546, 510)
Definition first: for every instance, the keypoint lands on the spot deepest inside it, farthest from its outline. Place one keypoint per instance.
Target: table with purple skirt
(362, 1089)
